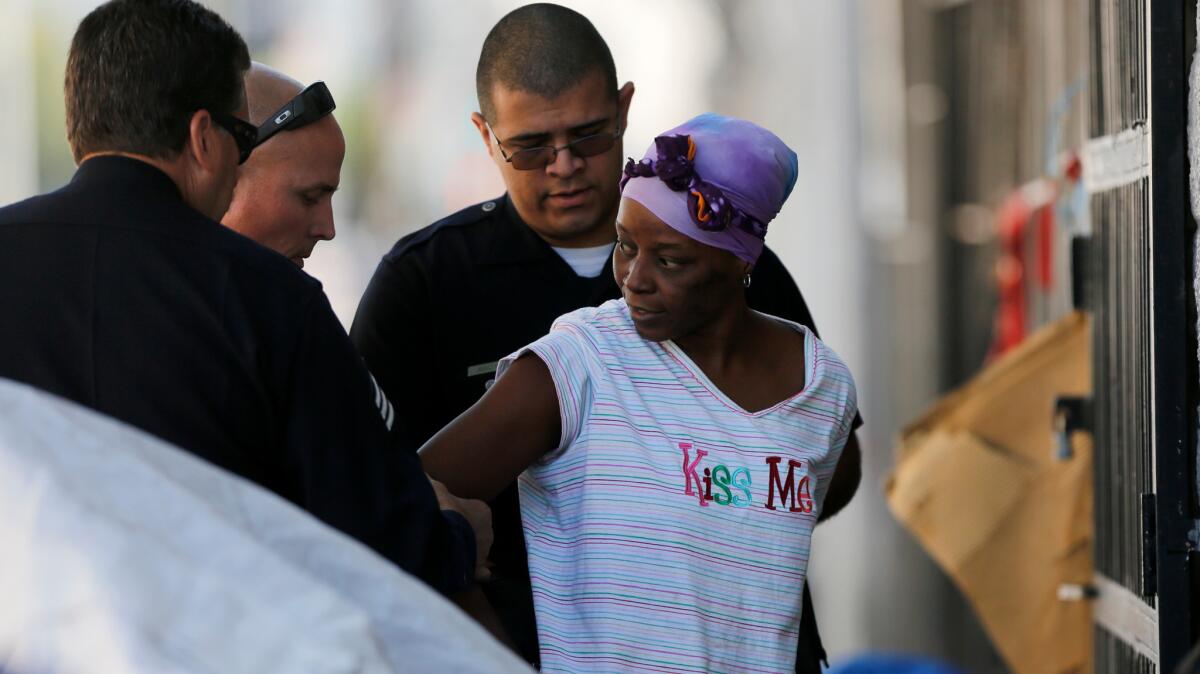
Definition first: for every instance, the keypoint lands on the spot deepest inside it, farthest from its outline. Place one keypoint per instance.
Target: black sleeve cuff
(460, 572)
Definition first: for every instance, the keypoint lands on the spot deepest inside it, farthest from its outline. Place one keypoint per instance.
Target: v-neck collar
(690, 365)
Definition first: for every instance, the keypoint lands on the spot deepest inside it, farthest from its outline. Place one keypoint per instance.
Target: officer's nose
(323, 227)
(565, 164)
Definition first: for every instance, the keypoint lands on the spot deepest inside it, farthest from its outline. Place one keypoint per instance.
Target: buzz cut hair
(543, 49)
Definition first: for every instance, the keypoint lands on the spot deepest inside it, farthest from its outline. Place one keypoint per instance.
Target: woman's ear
(747, 270)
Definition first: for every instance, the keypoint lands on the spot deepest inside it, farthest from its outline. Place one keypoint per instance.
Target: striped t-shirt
(670, 529)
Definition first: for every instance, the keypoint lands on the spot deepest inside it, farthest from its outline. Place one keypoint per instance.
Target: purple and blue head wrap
(718, 180)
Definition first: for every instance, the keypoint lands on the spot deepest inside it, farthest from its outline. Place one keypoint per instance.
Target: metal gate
(1136, 269)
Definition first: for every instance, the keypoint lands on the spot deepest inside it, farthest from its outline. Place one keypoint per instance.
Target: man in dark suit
(124, 293)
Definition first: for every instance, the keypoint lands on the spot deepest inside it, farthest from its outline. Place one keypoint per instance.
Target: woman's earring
(746, 280)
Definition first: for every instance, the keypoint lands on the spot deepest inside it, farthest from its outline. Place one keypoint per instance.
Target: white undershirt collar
(587, 262)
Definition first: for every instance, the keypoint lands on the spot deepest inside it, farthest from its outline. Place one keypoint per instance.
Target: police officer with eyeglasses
(448, 301)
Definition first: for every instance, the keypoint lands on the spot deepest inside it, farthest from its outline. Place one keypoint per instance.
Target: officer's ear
(481, 125)
(624, 96)
(204, 145)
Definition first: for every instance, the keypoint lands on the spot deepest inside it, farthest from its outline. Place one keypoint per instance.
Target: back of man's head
(543, 49)
(138, 70)
(268, 89)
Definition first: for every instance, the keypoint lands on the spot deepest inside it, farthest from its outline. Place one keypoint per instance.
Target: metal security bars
(1137, 273)
(1120, 302)
(1011, 70)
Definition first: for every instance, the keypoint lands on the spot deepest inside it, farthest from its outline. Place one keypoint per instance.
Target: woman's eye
(668, 262)
(625, 248)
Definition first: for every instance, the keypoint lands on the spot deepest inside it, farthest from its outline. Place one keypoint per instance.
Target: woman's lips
(639, 312)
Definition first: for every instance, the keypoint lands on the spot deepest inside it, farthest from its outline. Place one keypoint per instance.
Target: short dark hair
(543, 49)
(139, 69)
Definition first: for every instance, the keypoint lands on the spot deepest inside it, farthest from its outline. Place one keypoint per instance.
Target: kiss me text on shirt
(732, 487)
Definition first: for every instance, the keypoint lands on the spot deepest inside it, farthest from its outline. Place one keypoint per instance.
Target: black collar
(125, 174)
(132, 193)
(512, 241)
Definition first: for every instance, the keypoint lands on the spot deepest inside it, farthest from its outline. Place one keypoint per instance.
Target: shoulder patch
(382, 404)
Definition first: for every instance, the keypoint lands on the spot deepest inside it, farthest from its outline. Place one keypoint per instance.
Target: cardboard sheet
(978, 484)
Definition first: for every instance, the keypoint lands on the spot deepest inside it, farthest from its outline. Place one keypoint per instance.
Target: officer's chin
(577, 222)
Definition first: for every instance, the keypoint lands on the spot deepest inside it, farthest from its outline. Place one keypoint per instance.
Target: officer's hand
(479, 516)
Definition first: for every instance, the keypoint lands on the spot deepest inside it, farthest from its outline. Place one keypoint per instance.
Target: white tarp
(120, 553)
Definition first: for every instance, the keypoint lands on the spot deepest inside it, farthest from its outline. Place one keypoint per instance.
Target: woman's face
(674, 285)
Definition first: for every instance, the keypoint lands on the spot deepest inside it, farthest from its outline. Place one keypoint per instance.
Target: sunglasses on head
(244, 133)
(305, 108)
(533, 158)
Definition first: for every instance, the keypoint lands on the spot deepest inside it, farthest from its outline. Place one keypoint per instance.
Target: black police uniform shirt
(448, 301)
(121, 297)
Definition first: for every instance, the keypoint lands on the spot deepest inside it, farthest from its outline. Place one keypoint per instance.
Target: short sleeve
(571, 359)
(843, 391)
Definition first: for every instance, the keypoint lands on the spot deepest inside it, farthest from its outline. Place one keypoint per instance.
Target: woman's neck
(718, 344)
(753, 360)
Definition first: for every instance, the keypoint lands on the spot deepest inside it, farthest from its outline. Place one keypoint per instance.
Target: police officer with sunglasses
(448, 301)
(124, 293)
(284, 194)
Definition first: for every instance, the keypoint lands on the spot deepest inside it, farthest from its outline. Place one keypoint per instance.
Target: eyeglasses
(244, 133)
(533, 158)
(305, 108)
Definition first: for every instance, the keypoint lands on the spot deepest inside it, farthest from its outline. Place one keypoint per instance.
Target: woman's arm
(484, 450)
(845, 480)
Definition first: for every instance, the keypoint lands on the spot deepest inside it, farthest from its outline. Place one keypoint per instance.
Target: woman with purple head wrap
(674, 447)
(717, 181)
(732, 189)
